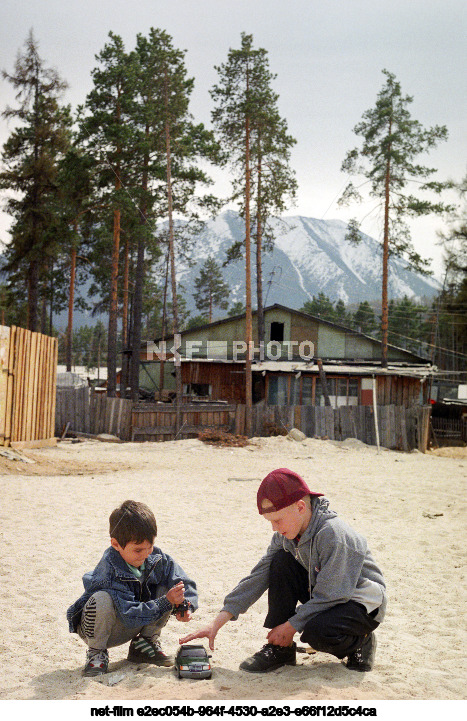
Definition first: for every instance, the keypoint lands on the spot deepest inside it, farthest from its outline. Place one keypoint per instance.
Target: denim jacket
(136, 600)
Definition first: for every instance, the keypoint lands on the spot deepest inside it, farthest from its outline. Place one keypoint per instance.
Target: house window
(277, 391)
(197, 390)
(277, 332)
(341, 392)
(294, 391)
(307, 390)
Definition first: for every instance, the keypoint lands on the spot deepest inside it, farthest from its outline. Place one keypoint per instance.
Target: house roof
(307, 316)
(370, 369)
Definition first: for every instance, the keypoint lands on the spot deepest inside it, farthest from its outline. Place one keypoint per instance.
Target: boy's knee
(100, 602)
(281, 561)
(315, 634)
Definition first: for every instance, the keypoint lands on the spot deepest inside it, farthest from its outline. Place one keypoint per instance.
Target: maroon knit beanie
(282, 488)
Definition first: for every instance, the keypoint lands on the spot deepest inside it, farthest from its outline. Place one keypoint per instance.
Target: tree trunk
(259, 261)
(112, 339)
(33, 295)
(173, 278)
(384, 297)
(124, 380)
(138, 291)
(71, 300)
(248, 314)
(164, 315)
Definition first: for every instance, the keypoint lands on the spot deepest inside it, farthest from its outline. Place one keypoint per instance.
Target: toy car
(192, 662)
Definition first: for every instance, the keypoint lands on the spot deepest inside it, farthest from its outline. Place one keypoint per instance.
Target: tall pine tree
(171, 147)
(109, 138)
(392, 140)
(30, 159)
(257, 148)
(211, 291)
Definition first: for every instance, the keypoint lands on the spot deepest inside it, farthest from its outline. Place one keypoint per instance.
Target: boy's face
(291, 521)
(133, 553)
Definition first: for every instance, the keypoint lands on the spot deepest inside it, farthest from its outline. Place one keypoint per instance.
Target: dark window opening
(277, 332)
(199, 390)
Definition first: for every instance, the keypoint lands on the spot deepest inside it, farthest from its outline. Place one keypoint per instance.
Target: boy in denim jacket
(131, 593)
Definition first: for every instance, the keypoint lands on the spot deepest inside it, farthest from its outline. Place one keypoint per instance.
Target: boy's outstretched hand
(176, 594)
(208, 632)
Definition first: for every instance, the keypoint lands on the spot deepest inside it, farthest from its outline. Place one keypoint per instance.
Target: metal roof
(344, 369)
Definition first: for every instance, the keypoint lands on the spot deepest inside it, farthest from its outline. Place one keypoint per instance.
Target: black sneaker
(269, 658)
(144, 651)
(363, 658)
(97, 662)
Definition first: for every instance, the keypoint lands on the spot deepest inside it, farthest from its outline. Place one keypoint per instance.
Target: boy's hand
(209, 632)
(282, 635)
(176, 594)
(185, 617)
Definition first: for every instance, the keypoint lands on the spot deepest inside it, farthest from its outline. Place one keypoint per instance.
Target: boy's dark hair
(132, 521)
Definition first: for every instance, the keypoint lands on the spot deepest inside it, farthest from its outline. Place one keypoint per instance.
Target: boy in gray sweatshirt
(315, 560)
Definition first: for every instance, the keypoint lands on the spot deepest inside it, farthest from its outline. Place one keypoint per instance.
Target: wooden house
(284, 369)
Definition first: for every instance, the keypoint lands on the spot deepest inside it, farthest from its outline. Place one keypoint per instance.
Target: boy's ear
(115, 544)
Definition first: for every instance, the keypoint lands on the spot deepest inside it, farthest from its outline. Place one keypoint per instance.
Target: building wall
(226, 380)
(329, 341)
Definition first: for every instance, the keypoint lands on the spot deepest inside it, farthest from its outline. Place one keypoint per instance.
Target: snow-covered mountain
(310, 256)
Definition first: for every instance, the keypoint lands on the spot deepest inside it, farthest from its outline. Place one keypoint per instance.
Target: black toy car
(192, 662)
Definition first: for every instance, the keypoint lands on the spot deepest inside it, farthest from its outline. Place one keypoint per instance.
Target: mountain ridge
(309, 256)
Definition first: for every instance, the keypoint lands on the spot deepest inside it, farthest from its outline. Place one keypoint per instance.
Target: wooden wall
(226, 379)
(83, 410)
(157, 422)
(28, 363)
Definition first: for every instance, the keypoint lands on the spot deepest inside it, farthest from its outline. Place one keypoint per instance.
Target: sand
(411, 507)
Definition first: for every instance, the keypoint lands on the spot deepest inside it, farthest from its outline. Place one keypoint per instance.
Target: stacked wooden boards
(28, 364)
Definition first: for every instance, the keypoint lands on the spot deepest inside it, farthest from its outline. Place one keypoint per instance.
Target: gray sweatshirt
(339, 564)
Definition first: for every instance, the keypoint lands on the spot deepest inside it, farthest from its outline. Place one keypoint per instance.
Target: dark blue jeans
(340, 630)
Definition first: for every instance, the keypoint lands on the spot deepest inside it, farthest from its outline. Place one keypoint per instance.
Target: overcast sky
(328, 58)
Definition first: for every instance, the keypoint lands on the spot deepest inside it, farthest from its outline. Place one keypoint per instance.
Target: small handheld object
(193, 662)
(182, 608)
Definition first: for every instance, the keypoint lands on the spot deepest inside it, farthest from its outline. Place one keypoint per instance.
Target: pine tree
(109, 138)
(240, 98)
(176, 145)
(30, 157)
(76, 198)
(406, 320)
(392, 140)
(321, 306)
(237, 308)
(342, 316)
(364, 318)
(211, 291)
(257, 147)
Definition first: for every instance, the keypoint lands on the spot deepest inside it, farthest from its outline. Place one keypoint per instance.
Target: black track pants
(340, 630)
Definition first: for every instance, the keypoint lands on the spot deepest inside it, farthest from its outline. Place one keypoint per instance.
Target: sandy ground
(411, 508)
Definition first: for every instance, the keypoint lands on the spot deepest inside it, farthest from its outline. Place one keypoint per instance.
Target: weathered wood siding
(399, 428)
(28, 364)
(85, 411)
(157, 422)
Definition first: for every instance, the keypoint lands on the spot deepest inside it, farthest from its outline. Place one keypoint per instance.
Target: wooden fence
(157, 422)
(399, 428)
(449, 429)
(28, 363)
(89, 412)
(83, 410)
